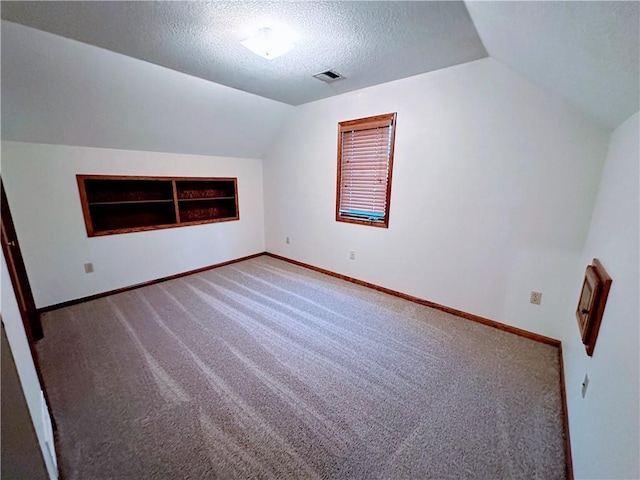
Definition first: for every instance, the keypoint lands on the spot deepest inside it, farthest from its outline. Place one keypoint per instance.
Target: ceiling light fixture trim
(269, 43)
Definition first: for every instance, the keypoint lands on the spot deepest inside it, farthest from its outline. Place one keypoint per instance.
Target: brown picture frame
(591, 303)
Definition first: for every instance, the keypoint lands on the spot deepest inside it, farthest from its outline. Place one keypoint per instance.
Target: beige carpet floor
(265, 370)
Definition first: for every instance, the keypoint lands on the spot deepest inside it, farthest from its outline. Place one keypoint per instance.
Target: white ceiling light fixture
(269, 43)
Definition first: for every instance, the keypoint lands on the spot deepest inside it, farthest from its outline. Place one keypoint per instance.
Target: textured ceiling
(587, 52)
(366, 42)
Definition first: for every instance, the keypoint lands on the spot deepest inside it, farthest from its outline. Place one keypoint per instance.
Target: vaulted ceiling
(586, 52)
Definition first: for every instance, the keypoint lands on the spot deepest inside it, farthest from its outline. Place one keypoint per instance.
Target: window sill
(360, 221)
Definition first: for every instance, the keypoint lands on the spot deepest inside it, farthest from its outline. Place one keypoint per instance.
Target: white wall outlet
(585, 385)
(536, 298)
(88, 268)
(352, 254)
(286, 240)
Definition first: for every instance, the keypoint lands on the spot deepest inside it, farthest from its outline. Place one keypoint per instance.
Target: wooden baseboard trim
(427, 303)
(143, 284)
(565, 419)
(469, 316)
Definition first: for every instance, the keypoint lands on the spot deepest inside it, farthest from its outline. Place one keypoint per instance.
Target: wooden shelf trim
(131, 202)
(200, 199)
(114, 204)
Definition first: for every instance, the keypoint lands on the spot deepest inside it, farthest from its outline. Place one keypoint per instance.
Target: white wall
(605, 425)
(26, 369)
(60, 91)
(493, 186)
(43, 195)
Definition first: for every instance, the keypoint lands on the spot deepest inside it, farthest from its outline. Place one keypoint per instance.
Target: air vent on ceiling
(328, 76)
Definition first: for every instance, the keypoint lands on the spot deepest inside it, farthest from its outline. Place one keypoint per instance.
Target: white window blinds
(365, 159)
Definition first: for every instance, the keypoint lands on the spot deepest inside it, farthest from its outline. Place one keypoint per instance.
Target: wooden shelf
(101, 188)
(130, 202)
(196, 211)
(120, 204)
(194, 189)
(204, 199)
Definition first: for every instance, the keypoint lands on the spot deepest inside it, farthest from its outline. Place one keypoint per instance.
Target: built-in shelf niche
(121, 204)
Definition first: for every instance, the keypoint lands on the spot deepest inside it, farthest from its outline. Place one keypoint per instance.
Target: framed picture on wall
(593, 297)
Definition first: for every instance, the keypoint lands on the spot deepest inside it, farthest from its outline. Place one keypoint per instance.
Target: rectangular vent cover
(328, 76)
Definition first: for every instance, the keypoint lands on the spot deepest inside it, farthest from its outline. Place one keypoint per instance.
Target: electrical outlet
(352, 254)
(536, 298)
(585, 385)
(88, 268)
(286, 240)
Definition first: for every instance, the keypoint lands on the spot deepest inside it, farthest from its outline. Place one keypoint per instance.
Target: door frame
(18, 272)
(22, 288)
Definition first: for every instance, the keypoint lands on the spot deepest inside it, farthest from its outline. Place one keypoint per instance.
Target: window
(365, 161)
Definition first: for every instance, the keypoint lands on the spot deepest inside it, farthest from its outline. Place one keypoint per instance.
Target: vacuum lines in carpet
(266, 370)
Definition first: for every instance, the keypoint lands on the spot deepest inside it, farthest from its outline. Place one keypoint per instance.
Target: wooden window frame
(385, 120)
